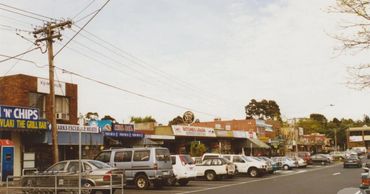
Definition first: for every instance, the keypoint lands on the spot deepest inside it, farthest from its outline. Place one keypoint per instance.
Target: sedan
(352, 161)
(320, 159)
(65, 174)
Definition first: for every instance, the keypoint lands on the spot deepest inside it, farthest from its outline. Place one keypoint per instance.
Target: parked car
(183, 170)
(306, 156)
(337, 155)
(352, 161)
(286, 162)
(320, 159)
(301, 163)
(143, 166)
(244, 164)
(94, 173)
(331, 159)
(215, 168)
(275, 164)
(197, 160)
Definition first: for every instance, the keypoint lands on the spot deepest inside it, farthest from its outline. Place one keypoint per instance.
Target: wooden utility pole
(48, 34)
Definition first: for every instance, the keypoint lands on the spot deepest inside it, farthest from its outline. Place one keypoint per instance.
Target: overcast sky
(211, 56)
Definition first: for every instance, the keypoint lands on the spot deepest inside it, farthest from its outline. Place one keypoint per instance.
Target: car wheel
(158, 184)
(86, 186)
(210, 175)
(141, 182)
(171, 181)
(323, 163)
(253, 172)
(286, 167)
(183, 182)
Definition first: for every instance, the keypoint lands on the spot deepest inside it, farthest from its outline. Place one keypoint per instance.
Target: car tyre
(183, 182)
(253, 172)
(141, 182)
(171, 181)
(210, 175)
(286, 167)
(86, 185)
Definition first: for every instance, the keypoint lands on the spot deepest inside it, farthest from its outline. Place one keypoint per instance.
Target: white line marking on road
(358, 192)
(247, 182)
(337, 173)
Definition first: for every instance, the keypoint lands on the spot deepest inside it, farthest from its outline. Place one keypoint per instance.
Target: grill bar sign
(21, 118)
(77, 128)
(180, 130)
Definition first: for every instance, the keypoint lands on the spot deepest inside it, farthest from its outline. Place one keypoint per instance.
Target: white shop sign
(192, 131)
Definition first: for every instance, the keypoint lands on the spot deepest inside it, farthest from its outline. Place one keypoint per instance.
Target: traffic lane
(330, 179)
(200, 183)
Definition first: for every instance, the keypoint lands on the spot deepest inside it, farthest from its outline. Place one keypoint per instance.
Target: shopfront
(16, 124)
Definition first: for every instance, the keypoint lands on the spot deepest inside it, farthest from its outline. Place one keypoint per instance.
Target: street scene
(182, 97)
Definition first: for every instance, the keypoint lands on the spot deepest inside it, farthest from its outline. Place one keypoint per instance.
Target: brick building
(32, 92)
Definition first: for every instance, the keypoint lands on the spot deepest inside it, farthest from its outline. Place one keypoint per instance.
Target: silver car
(143, 166)
(64, 176)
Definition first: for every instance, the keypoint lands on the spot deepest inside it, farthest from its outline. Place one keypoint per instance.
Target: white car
(287, 163)
(215, 168)
(183, 169)
(244, 164)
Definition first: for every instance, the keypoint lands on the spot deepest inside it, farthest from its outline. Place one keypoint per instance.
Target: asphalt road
(312, 180)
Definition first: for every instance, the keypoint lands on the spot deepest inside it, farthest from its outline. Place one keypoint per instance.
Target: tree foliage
(356, 37)
(92, 116)
(264, 109)
(176, 121)
(146, 119)
(197, 149)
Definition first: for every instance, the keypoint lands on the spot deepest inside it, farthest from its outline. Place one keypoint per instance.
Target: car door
(122, 159)
(240, 163)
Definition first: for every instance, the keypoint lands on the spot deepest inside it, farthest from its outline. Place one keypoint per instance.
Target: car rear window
(103, 156)
(162, 155)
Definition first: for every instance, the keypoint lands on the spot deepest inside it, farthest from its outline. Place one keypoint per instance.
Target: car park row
(154, 167)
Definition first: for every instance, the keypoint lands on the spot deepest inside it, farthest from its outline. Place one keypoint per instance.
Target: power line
(82, 28)
(25, 60)
(135, 93)
(13, 57)
(23, 14)
(29, 12)
(87, 6)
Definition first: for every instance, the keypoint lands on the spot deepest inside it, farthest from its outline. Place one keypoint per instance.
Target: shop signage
(123, 134)
(123, 127)
(192, 131)
(188, 117)
(43, 86)
(21, 118)
(240, 134)
(77, 128)
(103, 125)
(355, 138)
(223, 133)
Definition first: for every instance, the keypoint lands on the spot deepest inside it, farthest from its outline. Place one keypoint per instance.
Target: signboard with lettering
(21, 118)
(103, 125)
(192, 131)
(240, 134)
(127, 134)
(123, 127)
(43, 86)
(224, 133)
(77, 128)
(355, 138)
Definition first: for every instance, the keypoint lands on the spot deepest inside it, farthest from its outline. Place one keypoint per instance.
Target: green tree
(176, 121)
(146, 119)
(197, 149)
(92, 116)
(265, 109)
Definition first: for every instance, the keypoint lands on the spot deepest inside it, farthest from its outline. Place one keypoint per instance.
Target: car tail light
(155, 166)
(365, 181)
(107, 176)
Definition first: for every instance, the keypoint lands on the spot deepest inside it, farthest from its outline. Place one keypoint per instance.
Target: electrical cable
(88, 5)
(23, 14)
(13, 57)
(135, 93)
(29, 12)
(82, 28)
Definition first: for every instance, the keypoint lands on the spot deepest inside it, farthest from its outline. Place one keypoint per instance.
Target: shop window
(124, 156)
(142, 155)
(62, 108)
(36, 100)
(355, 133)
(367, 132)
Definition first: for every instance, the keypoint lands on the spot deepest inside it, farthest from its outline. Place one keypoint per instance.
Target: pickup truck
(215, 168)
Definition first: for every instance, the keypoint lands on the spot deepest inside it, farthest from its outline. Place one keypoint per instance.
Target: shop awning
(72, 138)
(256, 143)
(160, 137)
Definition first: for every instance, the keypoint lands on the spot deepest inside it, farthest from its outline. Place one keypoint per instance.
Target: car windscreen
(248, 159)
(162, 155)
(186, 159)
(103, 156)
(98, 164)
